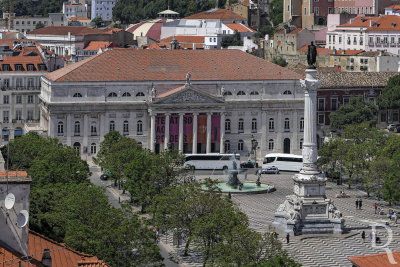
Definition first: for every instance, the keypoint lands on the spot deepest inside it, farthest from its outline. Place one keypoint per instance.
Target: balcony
(385, 44)
(392, 44)
(371, 44)
(20, 88)
(18, 121)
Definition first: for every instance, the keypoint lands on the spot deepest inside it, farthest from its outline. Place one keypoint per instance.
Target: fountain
(235, 186)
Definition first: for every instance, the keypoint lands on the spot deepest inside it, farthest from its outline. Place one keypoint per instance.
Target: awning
(18, 132)
(6, 132)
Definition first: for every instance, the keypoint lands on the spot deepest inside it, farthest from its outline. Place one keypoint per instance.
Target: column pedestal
(308, 211)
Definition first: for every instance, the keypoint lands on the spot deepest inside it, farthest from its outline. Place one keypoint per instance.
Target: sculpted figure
(312, 55)
(188, 76)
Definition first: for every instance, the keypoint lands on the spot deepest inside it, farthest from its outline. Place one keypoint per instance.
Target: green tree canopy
(232, 40)
(356, 112)
(98, 21)
(390, 97)
(39, 25)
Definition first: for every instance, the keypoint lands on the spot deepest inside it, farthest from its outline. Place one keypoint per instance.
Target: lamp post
(254, 144)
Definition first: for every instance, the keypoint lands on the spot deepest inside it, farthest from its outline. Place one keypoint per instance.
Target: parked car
(105, 176)
(392, 127)
(249, 164)
(270, 170)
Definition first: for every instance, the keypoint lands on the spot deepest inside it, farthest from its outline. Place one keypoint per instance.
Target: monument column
(194, 145)
(152, 131)
(208, 147)
(222, 134)
(181, 132)
(166, 133)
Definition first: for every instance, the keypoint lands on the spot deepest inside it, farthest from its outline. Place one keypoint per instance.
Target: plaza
(309, 250)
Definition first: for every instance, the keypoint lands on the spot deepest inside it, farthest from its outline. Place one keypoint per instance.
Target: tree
(39, 25)
(232, 40)
(265, 29)
(390, 96)
(279, 61)
(356, 112)
(276, 12)
(98, 21)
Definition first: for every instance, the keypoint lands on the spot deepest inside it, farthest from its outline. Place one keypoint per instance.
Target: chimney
(371, 23)
(15, 237)
(46, 258)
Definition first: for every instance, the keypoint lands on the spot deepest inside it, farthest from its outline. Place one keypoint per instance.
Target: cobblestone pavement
(321, 250)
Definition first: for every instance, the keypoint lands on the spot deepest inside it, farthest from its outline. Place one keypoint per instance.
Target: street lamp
(254, 144)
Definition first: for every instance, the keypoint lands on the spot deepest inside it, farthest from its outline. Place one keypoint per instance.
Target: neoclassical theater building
(197, 101)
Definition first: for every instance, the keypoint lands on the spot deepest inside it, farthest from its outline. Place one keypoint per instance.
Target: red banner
(160, 129)
(202, 129)
(215, 128)
(188, 128)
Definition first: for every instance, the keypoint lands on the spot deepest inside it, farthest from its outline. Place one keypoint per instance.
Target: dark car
(105, 176)
(248, 164)
(270, 170)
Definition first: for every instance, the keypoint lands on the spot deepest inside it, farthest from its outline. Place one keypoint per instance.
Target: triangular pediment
(187, 95)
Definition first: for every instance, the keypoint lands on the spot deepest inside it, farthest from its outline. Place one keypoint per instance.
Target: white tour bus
(284, 162)
(212, 161)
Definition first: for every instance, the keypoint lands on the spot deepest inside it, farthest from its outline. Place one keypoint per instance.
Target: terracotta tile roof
(111, 30)
(393, 7)
(245, 3)
(96, 45)
(386, 23)
(156, 46)
(324, 51)
(239, 27)
(380, 259)
(360, 21)
(64, 30)
(332, 78)
(78, 18)
(27, 55)
(61, 254)
(184, 39)
(295, 31)
(219, 14)
(14, 174)
(171, 65)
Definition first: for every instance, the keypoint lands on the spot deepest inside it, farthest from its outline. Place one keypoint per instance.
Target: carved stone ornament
(60, 117)
(93, 116)
(310, 85)
(112, 115)
(310, 154)
(139, 115)
(126, 115)
(189, 96)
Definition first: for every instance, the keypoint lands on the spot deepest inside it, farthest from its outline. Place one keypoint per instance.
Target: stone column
(86, 127)
(208, 147)
(295, 130)
(310, 154)
(102, 124)
(194, 145)
(263, 141)
(69, 127)
(166, 133)
(279, 132)
(222, 134)
(53, 126)
(152, 131)
(180, 145)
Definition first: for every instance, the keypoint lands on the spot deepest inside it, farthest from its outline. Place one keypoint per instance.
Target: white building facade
(103, 9)
(220, 110)
(74, 10)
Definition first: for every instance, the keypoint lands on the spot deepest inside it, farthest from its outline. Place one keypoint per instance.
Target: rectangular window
(334, 104)
(19, 82)
(5, 116)
(321, 118)
(30, 99)
(346, 100)
(18, 115)
(340, 39)
(30, 115)
(378, 40)
(18, 99)
(6, 99)
(383, 117)
(321, 104)
(316, 11)
(30, 83)
(395, 116)
(241, 126)
(371, 40)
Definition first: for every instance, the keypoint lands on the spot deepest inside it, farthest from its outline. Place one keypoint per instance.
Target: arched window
(240, 145)
(140, 94)
(77, 147)
(287, 92)
(77, 95)
(271, 125)
(60, 128)
(77, 128)
(112, 126)
(301, 124)
(139, 128)
(241, 93)
(241, 126)
(93, 129)
(301, 143)
(112, 94)
(227, 125)
(126, 94)
(287, 125)
(126, 128)
(93, 149)
(254, 93)
(271, 144)
(254, 125)
(227, 146)
(227, 93)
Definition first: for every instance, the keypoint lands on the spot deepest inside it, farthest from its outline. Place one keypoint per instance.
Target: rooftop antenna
(9, 201)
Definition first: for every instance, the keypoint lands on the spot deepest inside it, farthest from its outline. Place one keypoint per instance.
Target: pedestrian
(363, 236)
(375, 207)
(360, 203)
(357, 203)
(230, 195)
(287, 238)
(395, 217)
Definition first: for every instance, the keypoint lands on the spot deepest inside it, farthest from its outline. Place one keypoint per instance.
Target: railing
(392, 44)
(385, 44)
(18, 121)
(20, 88)
(371, 44)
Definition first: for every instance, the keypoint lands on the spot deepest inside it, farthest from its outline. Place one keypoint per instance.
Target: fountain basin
(248, 188)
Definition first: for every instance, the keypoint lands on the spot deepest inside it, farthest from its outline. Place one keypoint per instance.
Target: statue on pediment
(222, 90)
(153, 91)
(188, 76)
